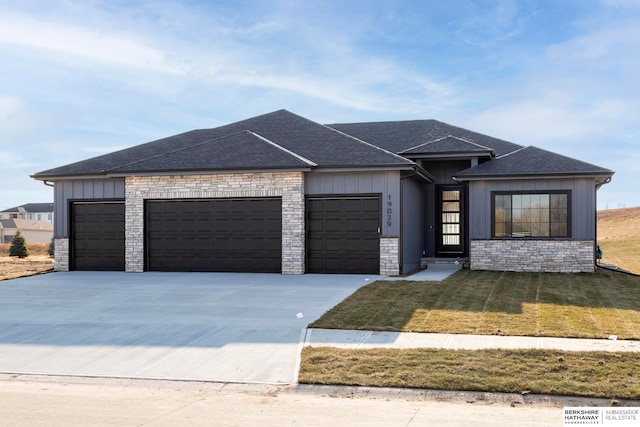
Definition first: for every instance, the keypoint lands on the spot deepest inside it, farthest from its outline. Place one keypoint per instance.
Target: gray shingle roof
(403, 135)
(448, 145)
(283, 140)
(32, 207)
(209, 149)
(532, 161)
(233, 151)
(26, 224)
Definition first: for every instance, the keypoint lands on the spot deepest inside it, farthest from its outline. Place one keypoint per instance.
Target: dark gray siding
(88, 189)
(443, 170)
(386, 183)
(413, 217)
(583, 206)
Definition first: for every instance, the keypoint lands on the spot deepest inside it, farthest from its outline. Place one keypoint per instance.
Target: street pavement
(59, 401)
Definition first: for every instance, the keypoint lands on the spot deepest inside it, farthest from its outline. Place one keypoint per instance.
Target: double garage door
(241, 235)
(235, 235)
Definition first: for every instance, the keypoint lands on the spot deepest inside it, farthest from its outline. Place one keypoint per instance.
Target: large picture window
(531, 214)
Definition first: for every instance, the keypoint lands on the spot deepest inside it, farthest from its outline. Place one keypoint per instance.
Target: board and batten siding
(583, 203)
(351, 183)
(81, 189)
(413, 219)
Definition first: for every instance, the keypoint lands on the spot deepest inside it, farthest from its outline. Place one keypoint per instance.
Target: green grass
(482, 302)
(589, 374)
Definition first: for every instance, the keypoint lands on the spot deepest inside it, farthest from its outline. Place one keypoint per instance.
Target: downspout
(47, 183)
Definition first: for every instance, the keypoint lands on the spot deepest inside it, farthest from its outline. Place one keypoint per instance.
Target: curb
(471, 397)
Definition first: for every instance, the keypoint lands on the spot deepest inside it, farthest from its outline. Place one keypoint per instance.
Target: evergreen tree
(52, 248)
(19, 246)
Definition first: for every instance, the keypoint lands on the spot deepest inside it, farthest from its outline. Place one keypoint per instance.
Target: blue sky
(84, 78)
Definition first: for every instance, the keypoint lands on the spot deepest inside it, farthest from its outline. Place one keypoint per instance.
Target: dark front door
(97, 236)
(451, 221)
(239, 235)
(343, 234)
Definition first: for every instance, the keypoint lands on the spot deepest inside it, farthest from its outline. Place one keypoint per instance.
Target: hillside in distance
(619, 237)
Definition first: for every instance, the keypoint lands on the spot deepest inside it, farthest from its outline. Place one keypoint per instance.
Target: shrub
(19, 246)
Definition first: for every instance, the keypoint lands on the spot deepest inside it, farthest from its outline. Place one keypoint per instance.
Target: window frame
(532, 192)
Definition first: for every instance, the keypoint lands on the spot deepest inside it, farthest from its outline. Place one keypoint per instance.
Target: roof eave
(448, 155)
(364, 168)
(498, 177)
(169, 172)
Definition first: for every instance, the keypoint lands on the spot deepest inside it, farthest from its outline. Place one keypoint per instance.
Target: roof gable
(533, 161)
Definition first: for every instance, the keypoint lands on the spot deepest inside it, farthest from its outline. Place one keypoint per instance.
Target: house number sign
(389, 210)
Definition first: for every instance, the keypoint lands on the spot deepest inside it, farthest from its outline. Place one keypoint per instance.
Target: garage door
(241, 235)
(342, 234)
(97, 236)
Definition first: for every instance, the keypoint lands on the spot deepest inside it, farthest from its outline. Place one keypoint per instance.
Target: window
(531, 214)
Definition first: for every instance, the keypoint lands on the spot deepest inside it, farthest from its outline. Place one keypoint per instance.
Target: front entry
(450, 218)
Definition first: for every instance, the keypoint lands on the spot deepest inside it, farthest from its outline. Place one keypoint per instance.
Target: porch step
(426, 261)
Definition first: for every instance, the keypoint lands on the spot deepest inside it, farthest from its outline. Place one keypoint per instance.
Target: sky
(84, 78)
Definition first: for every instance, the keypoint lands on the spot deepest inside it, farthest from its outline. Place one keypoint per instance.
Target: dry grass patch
(619, 237)
(590, 374)
(623, 252)
(497, 303)
(37, 262)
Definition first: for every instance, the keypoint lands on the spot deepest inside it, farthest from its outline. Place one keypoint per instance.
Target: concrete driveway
(191, 326)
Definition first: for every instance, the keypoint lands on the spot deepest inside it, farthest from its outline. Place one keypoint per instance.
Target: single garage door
(97, 236)
(343, 234)
(240, 235)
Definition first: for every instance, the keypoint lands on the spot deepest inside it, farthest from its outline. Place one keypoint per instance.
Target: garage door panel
(342, 234)
(215, 235)
(97, 236)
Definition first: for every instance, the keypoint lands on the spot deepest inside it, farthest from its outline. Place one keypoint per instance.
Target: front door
(450, 220)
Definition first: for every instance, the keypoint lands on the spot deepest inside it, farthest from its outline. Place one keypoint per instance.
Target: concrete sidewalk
(371, 339)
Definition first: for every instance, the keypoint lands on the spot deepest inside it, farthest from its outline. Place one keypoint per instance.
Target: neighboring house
(34, 211)
(33, 231)
(281, 193)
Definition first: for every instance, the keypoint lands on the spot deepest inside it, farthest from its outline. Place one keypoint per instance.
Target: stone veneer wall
(389, 256)
(61, 255)
(561, 256)
(288, 185)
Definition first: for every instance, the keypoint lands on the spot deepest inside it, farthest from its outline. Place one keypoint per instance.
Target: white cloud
(8, 106)
(93, 45)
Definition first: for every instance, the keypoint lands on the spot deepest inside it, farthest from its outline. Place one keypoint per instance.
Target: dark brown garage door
(97, 236)
(342, 235)
(241, 235)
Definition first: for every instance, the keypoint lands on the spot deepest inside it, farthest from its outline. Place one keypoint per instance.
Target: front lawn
(483, 302)
(590, 374)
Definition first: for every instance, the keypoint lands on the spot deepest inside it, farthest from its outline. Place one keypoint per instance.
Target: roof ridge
(445, 137)
(291, 153)
(513, 152)
(179, 149)
(367, 143)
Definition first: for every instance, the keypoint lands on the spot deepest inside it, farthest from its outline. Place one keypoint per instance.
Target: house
(33, 231)
(33, 211)
(281, 193)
